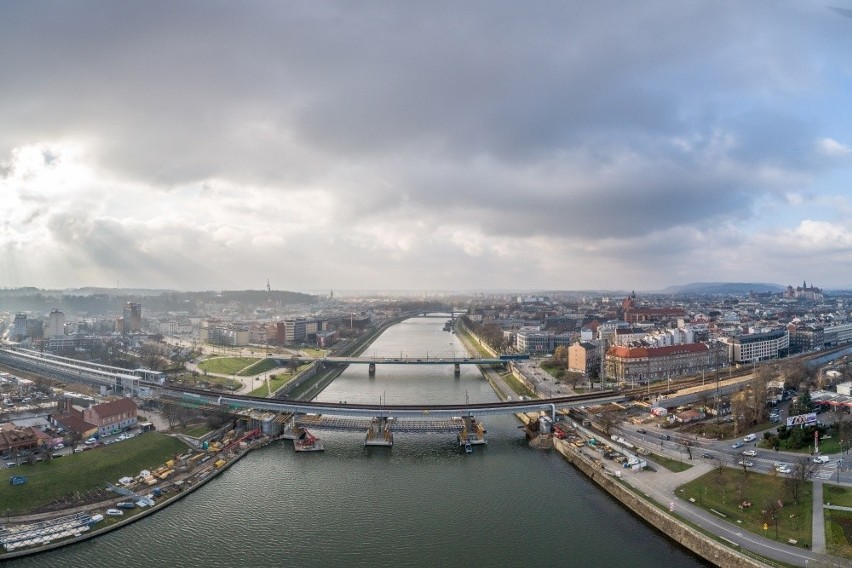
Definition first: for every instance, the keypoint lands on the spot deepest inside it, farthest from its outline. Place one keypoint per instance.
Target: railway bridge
(383, 418)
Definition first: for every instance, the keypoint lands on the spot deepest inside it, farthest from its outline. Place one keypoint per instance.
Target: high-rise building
(20, 330)
(55, 324)
(132, 317)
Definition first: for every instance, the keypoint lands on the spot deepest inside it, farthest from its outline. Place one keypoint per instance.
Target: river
(422, 503)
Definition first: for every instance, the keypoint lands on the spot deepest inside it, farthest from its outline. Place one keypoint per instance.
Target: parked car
(665, 437)
(91, 441)
(707, 456)
(641, 431)
(114, 512)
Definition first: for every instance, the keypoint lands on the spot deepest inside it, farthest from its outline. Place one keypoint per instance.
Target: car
(707, 456)
(783, 469)
(821, 459)
(746, 463)
(737, 444)
(750, 453)
(91, 441)
(750, 438)
(641, 431)
(114, 512)
(665, 437)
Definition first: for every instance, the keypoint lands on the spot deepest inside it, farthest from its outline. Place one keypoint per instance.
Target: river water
(422, 503)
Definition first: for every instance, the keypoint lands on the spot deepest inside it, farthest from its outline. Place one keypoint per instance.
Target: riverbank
(680, 532)
(188, 484)
(649, 511)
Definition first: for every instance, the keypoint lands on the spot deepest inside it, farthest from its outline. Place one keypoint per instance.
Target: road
(661, 486)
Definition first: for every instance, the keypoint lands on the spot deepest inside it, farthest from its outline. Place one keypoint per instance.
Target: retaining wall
(678, 531)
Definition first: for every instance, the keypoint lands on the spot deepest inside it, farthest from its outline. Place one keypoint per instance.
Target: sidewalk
(661, 487)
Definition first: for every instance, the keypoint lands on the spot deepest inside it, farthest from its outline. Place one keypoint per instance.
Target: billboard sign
(802, 420)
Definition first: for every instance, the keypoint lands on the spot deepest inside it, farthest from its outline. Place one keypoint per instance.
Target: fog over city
(327, 145)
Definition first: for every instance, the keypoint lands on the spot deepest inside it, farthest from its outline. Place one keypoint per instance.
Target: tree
(720, 478)
(150, 356)
(771, 512)
(797, 480)
(739, 410)
(757, 396)
(492, 334)
(560, 356)
(608, 421)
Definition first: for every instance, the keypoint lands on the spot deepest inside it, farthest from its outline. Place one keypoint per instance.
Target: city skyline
(494, 146)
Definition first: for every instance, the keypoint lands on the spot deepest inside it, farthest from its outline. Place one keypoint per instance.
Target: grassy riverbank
(74, 476)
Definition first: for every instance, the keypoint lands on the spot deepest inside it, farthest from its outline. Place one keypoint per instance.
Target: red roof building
(14, 439)
(113, 416)
(642, 364)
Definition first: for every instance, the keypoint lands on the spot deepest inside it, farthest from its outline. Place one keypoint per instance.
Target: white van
(750, 438)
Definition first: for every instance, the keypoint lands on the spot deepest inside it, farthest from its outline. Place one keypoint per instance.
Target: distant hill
(712, 288)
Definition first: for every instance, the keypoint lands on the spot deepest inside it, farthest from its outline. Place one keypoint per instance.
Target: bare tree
(796, 481)
(771, 512)
(739, 410)
(608, 421)
(720, 478)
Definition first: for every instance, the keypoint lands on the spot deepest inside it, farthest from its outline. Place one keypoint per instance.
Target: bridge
(384, 417)
(456, 362)
(426, 360)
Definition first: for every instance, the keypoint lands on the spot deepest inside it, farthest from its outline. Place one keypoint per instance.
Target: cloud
(489, 144)
(833, 149)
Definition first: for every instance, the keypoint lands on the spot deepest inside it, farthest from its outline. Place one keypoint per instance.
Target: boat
(468, 449)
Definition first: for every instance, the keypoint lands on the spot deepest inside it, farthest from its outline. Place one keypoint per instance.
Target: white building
(55, 324)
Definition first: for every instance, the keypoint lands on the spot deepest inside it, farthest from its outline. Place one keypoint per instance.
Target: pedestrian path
(818, 520)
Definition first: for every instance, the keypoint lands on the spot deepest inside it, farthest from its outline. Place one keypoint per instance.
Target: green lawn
(313, 351)
(837, 495)
(279, 381)
(226, 365)
(196, 431)
(838, 533)
(519, 387)
(669, 463)
(85, 471)
(261, 366)
(725, 490)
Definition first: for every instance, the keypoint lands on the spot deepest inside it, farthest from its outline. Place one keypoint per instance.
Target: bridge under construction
(379, 420)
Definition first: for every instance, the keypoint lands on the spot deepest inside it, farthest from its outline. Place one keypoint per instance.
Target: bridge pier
(379, 433)
(371, 369)
(472, 433)
(457, 370)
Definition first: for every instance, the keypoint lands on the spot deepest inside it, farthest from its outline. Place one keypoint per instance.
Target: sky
(430, 145)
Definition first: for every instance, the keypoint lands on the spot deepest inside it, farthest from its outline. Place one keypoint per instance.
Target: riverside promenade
(660, 492)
